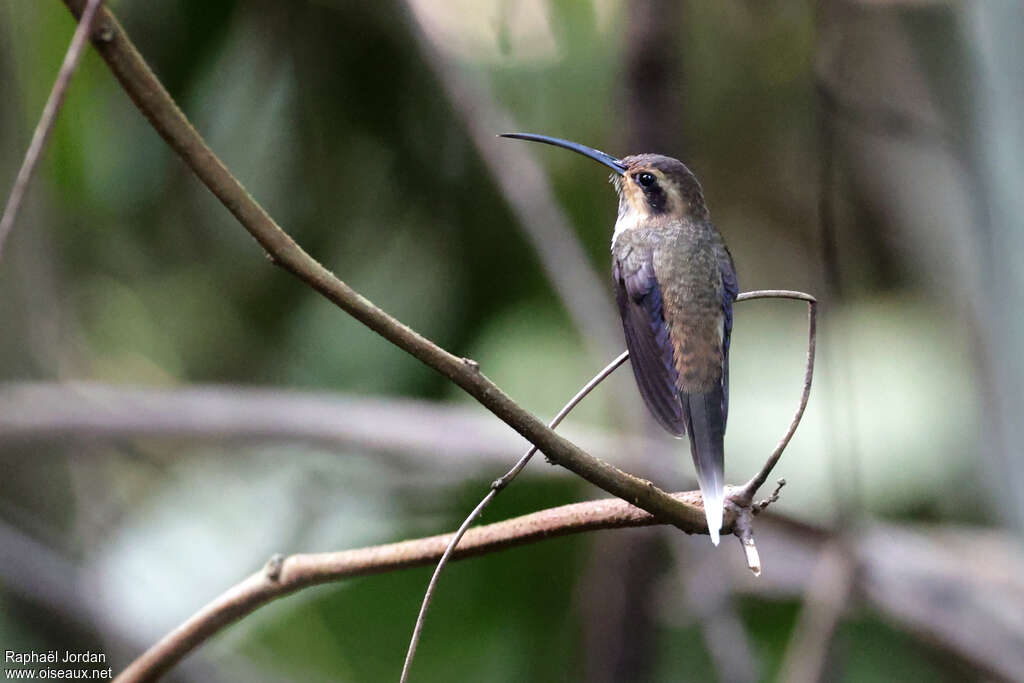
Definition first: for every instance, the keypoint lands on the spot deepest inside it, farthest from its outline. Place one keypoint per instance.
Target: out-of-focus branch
(708, 594)
(825, 600)
(47, 120)
(37, 573)
(654, 80)
(285, 575)
(42, 411)
(877, 118)
(957, 589)
(526, 188)
(156, 104)
(618, 631)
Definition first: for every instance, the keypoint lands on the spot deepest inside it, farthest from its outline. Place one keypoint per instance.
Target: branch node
(103, 33)
(761, 505)
(471, 364)
(499, 483)
(273, 259)
(272, 569)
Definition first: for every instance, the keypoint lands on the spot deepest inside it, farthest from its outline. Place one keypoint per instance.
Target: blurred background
(173, 409)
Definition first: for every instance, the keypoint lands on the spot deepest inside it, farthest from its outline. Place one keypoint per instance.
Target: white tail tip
(713, 514)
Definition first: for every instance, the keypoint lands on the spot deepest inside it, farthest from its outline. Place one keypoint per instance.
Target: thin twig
(156, 104)
(496, 487)
(746, 494)
(47, 120)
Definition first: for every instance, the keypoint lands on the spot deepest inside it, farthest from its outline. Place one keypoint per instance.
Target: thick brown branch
(156, 104)
(283, 576)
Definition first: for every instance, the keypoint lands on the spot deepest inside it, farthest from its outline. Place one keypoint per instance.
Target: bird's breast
(691, 285)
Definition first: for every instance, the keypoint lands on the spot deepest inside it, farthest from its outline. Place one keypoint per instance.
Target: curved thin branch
(47, 120)
(743, 527)
(496, 487)
(746, 494)
(283, 576)
(156, 104)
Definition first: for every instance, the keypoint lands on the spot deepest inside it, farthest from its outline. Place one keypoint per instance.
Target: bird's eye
(644, 179)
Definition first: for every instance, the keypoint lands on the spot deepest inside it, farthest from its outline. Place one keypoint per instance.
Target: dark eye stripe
(656, 199)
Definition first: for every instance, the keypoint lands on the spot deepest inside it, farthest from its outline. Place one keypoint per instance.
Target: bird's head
(649, 185)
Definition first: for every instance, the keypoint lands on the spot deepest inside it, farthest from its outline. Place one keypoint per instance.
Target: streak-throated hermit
(675, 284)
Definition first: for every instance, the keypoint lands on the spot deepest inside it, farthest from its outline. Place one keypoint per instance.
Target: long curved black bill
(597, 155)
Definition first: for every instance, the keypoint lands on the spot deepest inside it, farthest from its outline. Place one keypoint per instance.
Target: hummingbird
(675, 285)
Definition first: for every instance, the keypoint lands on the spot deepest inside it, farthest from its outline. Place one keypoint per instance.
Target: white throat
(627, 220)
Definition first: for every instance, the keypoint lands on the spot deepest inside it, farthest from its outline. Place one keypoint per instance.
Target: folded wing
(647, 338)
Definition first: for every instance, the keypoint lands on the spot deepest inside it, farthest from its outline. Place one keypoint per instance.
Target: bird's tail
(705, 418)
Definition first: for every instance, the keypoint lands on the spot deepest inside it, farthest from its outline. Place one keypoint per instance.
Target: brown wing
(647, 337)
